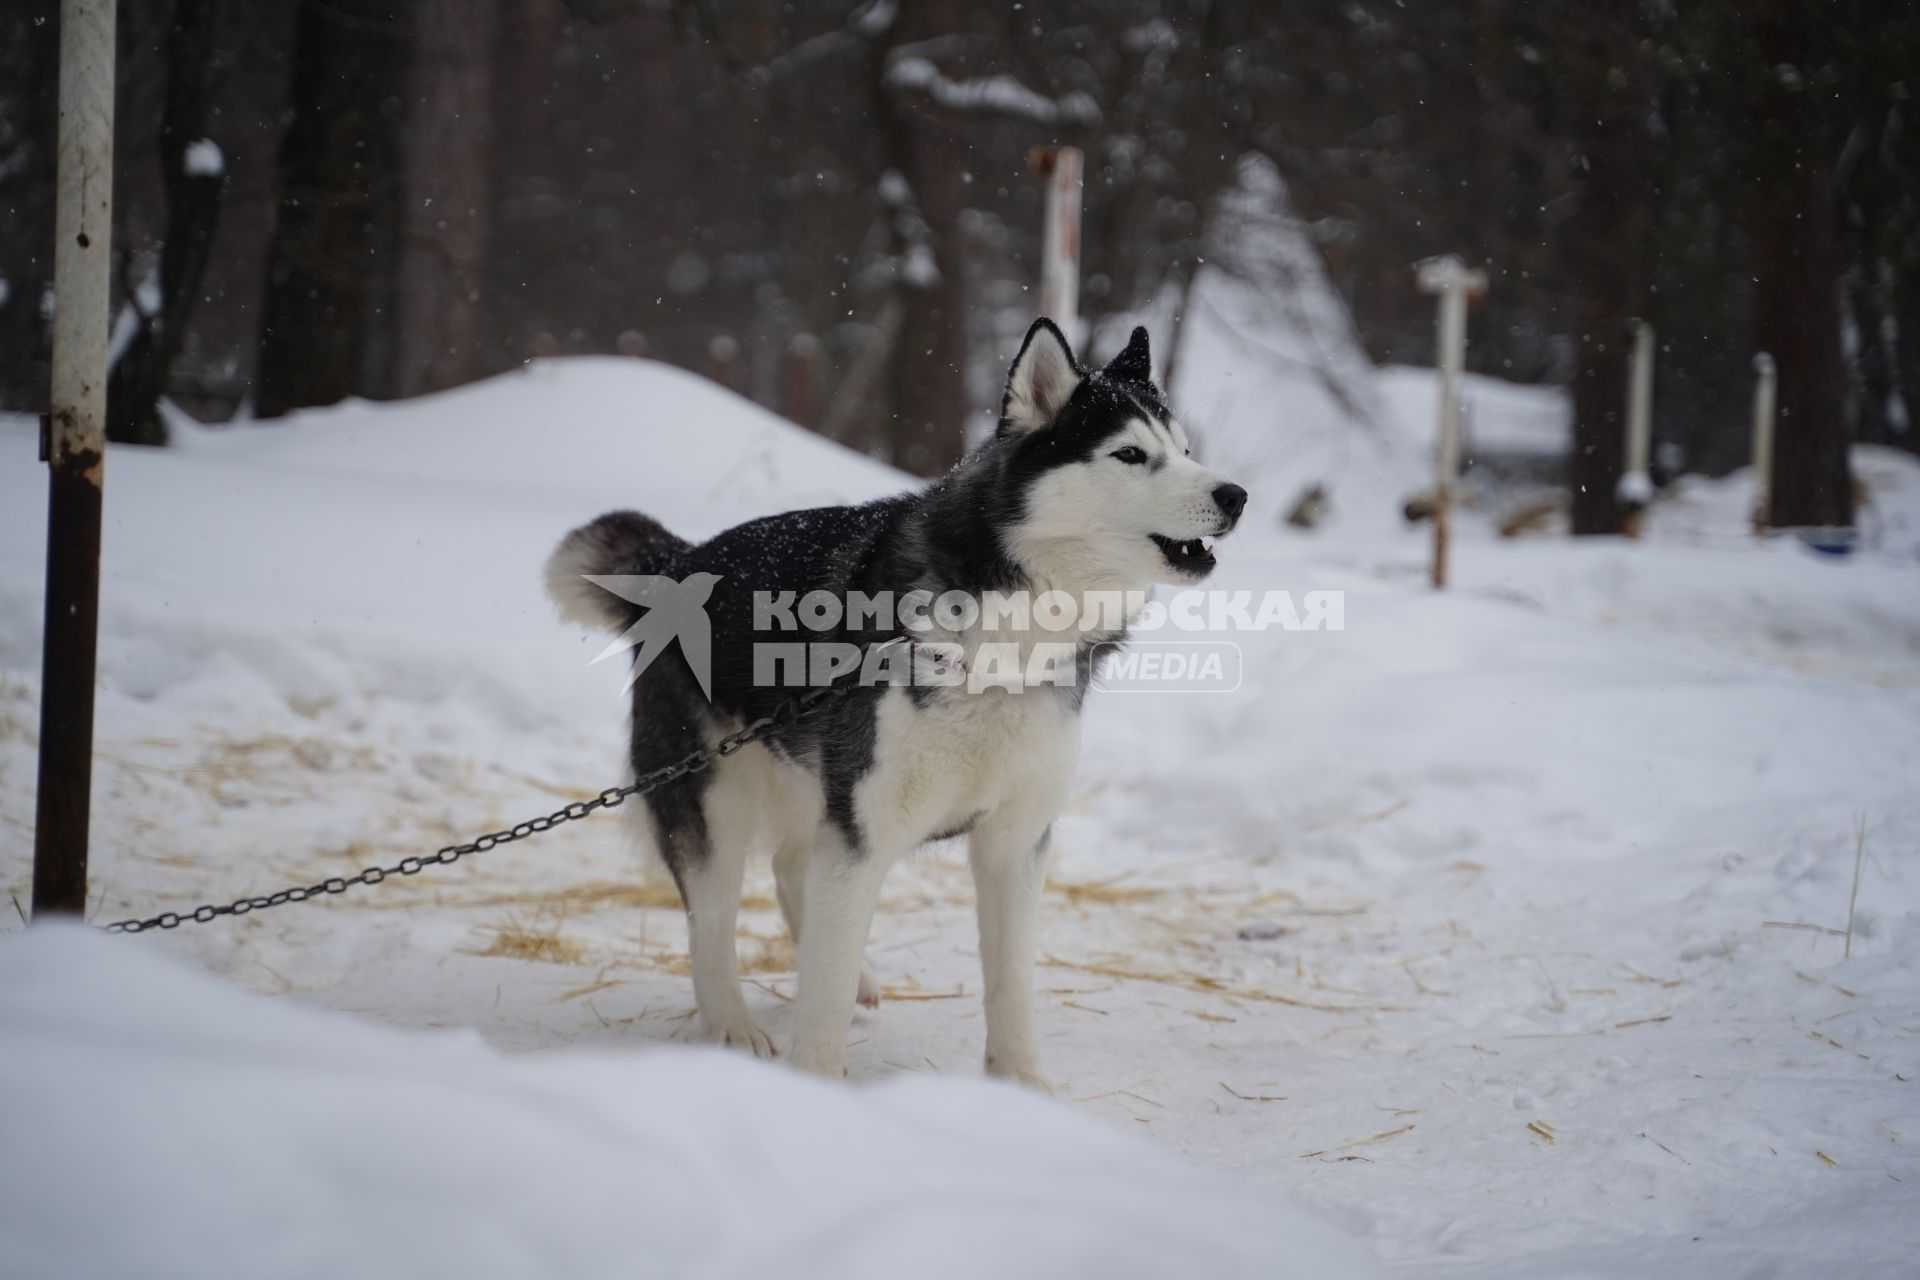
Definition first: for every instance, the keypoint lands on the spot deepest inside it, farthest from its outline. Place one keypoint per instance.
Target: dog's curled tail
(620, 542)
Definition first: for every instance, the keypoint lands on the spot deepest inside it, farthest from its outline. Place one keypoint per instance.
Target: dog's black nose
(1231, 499)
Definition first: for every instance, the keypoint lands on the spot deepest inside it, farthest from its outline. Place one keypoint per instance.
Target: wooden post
(1454, 283)
(76, 454)
(1635, 489)
(1060, 237)
(1763, 393)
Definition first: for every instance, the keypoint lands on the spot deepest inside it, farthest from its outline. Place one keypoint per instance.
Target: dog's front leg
(1009, 871)
(842, 889)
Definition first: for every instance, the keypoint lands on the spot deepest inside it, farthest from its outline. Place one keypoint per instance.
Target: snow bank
(1272, 376)
(1702, 511)
(161, 1124)
(371, 556)
(1500, 418)
(631, 430)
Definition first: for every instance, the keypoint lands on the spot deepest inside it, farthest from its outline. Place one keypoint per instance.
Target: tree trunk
(324, 269)
(1906, 357)
(29, 57)
(449, 129)
(1604, 248)
(925, 405)
(1796, 305)
(195, 186)
(1797, 320)
(930, 406)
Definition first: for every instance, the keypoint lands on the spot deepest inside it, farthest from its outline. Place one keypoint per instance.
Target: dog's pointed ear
(1135, 363)
(1041, 381)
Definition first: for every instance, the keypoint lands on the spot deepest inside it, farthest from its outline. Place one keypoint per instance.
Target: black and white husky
(1087, 487)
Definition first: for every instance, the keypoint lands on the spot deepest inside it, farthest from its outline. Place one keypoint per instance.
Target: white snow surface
(1501, 931)
(1267, 368)
(303, 1144)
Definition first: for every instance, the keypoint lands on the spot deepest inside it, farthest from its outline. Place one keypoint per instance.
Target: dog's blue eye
(1132, 454)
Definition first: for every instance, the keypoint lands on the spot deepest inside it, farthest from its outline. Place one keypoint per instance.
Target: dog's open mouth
(1193, 557)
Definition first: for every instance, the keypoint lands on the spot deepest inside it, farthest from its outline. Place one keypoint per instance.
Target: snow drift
(162, 1124)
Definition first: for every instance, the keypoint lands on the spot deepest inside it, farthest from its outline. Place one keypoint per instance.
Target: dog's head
(1108, 489)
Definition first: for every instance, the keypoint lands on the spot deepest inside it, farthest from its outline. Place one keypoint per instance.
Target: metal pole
(1449, 278)
(1060, 237)
(1635, 489)
(76, 449)
(1763, 392)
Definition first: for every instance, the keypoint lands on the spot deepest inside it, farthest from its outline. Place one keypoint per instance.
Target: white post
(1060, 238)
(1763, 390)
(1635, 489)
(1454, 282)
(83, 227)
(76, 455)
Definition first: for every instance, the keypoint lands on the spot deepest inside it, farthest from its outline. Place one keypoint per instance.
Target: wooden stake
(1454, 283)
(1763, 393)
(1635, 489)
(1060, 237)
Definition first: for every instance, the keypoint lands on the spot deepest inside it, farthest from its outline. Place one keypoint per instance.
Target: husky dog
(1087, 486)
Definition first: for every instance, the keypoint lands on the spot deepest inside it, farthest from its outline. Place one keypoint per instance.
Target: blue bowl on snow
(1838, 540)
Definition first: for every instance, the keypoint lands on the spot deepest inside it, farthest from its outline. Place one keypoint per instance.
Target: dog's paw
(742, 1033)
(823, 1061)
(869, 994)
(1021, 1071)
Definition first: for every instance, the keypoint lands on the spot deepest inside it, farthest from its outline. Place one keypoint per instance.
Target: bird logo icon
(675, 610)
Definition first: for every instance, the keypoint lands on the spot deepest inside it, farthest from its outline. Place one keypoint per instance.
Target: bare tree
(1604, 243)
(444, 227)
(29, 54)
(680, 177)
(193, 174)
(1796, 310)
(325, 274)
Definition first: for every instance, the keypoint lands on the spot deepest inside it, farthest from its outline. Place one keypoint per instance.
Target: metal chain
(788, 713)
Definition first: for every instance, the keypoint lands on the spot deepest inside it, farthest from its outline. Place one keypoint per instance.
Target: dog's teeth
(1206, 546)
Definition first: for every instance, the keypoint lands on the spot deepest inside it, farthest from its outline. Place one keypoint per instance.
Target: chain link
(788, 713)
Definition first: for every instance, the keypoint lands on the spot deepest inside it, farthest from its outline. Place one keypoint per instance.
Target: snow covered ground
(1498, 931)
(301, 1144)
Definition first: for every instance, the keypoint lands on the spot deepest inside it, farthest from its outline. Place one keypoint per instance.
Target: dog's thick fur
(1087, 486)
